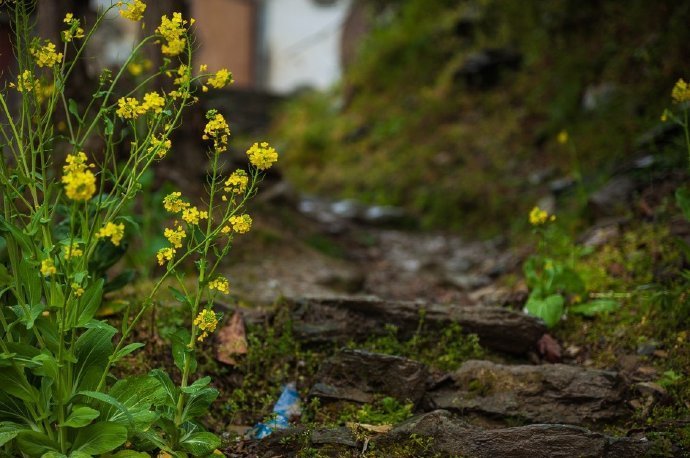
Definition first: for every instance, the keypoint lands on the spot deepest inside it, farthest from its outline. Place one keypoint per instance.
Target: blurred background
(449, 112)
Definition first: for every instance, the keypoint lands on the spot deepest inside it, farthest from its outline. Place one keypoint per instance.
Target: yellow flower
(173, 32)
(175, 236)
(562, 137)
(206, 321)
(184, 75)
(664, 116)
(220, 284)
(134, 10)
(237, 182)
(129, 108)
(112, 230)
(46, 55)
(203, 67)
(221, 79)
(192, 215)
(48, 267)
(74, 30)
(27, 82)
(681, 91)
(135, 68)
(537, 217)
(262, 156)
(165, 254)
(217, 129)
(69, 18)
(79, 185)
(72, 251)
(160, 146)
(173, 203)
(153, 102)
(241, 223)
(77, 289)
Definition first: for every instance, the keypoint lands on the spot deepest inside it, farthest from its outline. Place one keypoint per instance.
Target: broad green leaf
(197, 385)
(99, 438)
(9, 431)
(130, 454)
(27, 314)
(683, 201)
(200, 444)
(34, 443)
(92, 349)
(136, 394)
(126, 350)
(17, 235)
(198, 403)
(89, 302)
(595, 307)
(123, 279)
(169, 389)
(179, 295)
(107, 399)
(81, 416)
(5, 277)
(73, 108)
(549, 309)
(182, 354)
(15, 384)
(30, 281)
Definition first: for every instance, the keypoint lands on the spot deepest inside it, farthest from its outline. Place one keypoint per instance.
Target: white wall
(303, 43)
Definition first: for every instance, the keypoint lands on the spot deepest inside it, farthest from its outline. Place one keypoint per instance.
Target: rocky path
(516, 404)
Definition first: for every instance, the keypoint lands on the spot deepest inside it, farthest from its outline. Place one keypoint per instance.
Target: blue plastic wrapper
(286, 408)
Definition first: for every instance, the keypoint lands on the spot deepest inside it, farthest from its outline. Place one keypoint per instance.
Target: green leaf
(130, 454)
(9, 431)
(92, 350)
(683, 201)
(30, 281)
(107, 399)
(15, 384)
(169, 389)
(200, 444)
(549, 309)
(89, 302)
(179, 295)
(81, 416)
(27, 314)
(136, 394)
(126, 350)
(121, 280)
(197, 385)
(18, 235)
(73, 108)
(34, 443)
(5, 277)
(595, 307)
(99, 438)
(181, 351)
(198, 403)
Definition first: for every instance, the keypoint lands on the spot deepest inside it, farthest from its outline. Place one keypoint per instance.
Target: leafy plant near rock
(61, 230)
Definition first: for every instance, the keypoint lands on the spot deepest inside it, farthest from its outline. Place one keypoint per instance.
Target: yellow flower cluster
(537, 217)
(79, 181)
(175, 236)
(130, 108)
(220, 284)
(237, 182)
(48, 267)
(74, 30)
(133, 10)
(173, 32)
(160, 146)
(217, 129)
(681, 91)
(72, 251)
(77, 289)
(46, 55)
(562, 137)
(112, 230)
(192, 215)
(27, 82)
(206, 321)
(173, 202)
(222, 78)
(165, 254)
(262, 156)
(241, 223)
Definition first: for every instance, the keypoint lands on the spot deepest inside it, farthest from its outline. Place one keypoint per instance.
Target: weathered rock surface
(453, 437)
(356, 375)
(555, 393)
(320, 320)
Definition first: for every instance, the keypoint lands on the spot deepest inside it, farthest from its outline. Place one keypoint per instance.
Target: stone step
(343, 319)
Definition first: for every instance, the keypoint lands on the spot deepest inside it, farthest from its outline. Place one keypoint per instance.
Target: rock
(356, 375)
(613, 197)
(601, 235)
(597, 96)
(549, 349)
(385, 215)
(648, 348)
(560, 185)
(483, 69)
(651, 389)
(555, 393)
(454, 437)
(342, 319)
(290, 442)
(467, 282)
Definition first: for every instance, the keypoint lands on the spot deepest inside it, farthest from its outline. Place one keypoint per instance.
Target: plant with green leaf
(552, 274)
(63, 224)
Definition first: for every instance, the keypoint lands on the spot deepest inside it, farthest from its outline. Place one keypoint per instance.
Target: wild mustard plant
(63, 224)
(553, 276)
(680, 95)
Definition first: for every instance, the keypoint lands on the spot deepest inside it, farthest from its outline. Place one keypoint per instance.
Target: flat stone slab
(453, 437)
(555, 393)
(356, 375)
(342, 319)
